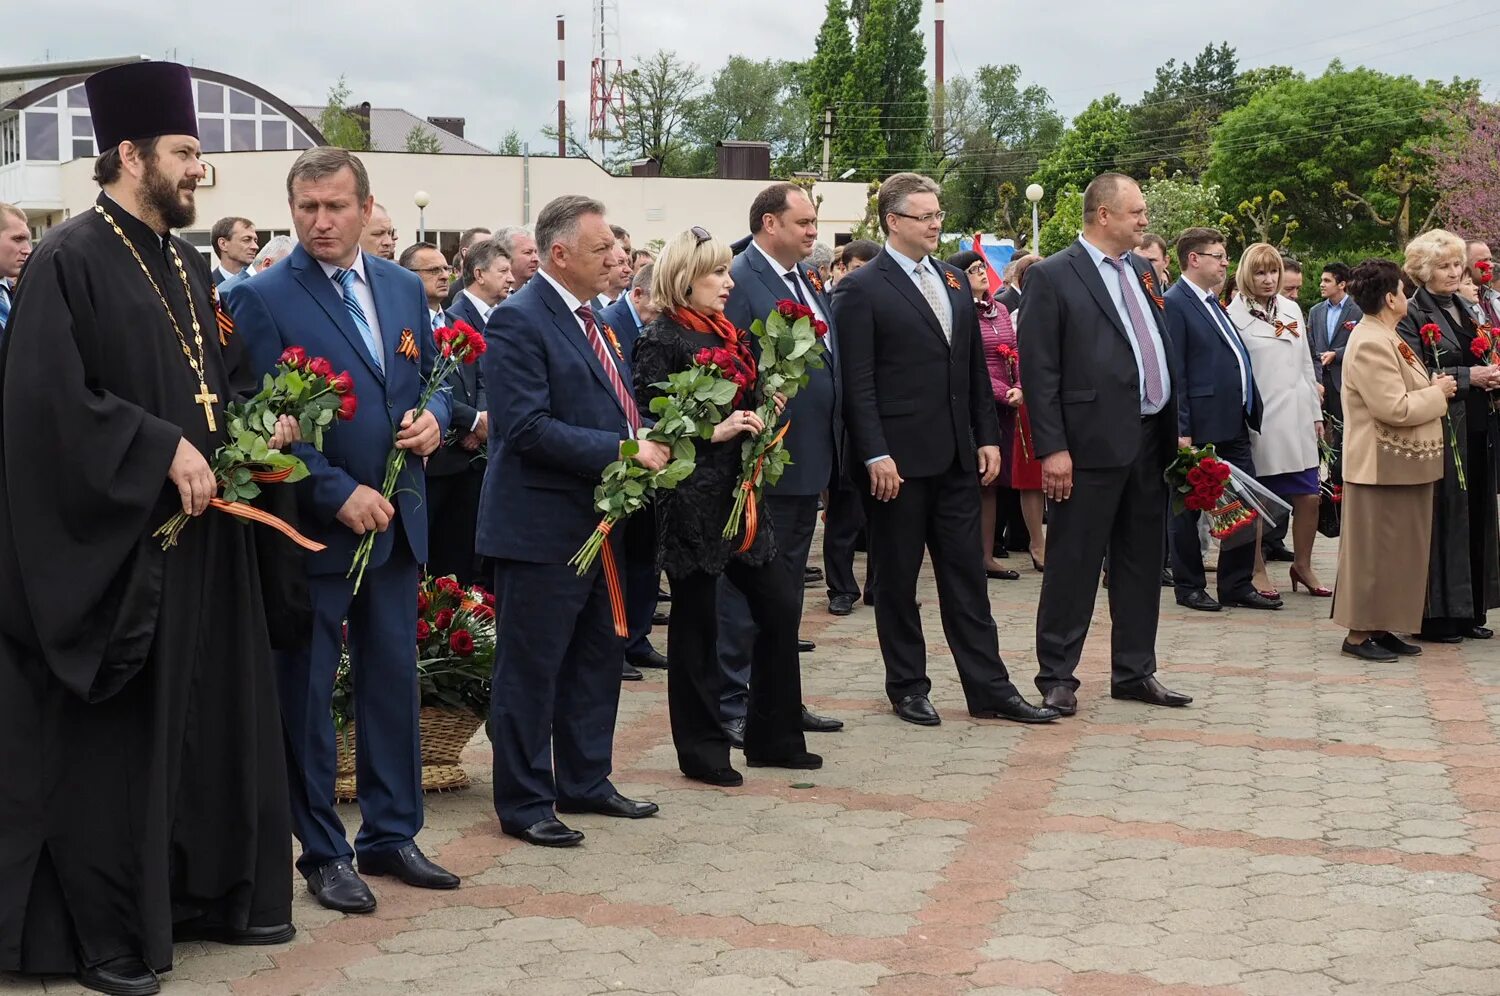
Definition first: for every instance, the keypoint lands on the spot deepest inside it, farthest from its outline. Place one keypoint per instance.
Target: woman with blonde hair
(1393, 446)
(1463, 580)
(691, 285)
(1285, 450)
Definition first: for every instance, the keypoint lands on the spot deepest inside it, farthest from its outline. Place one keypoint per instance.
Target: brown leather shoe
(1062, 699)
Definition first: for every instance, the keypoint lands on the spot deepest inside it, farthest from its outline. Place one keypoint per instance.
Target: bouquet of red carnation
(1012, 361)
(305, 388)
(458, 345)
(1200, 483)
(791, 340)
(1486, 271)
(1432, 338)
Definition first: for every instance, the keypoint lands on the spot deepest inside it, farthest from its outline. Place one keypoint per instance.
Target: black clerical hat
(141, 100)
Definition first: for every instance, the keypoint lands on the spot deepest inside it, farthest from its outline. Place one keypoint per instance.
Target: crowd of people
(167, 712)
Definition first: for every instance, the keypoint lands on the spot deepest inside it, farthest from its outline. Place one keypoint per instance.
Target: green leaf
(720, 392)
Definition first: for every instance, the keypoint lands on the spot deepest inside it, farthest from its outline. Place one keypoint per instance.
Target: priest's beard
(162, 197)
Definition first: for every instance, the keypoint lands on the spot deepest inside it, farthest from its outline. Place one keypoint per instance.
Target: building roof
(389, 127)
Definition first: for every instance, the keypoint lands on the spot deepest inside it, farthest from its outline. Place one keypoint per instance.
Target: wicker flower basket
(445, 733)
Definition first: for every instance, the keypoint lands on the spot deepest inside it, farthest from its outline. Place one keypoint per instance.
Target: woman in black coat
(691, 284)
(1463, 578)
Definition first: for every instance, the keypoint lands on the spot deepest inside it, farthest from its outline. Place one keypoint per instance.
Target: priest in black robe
(143, 791)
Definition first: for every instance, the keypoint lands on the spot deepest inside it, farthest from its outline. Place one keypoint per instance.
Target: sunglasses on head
(701, 234)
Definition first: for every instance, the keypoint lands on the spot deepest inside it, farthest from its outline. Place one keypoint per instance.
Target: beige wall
(465, 191)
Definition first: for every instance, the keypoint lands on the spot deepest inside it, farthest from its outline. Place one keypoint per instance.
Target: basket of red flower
(455, 651)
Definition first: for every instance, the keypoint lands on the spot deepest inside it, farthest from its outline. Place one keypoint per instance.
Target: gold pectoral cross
(207, 399)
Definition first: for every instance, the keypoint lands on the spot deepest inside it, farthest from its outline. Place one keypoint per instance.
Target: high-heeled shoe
(1314, 591)
(1037, 566)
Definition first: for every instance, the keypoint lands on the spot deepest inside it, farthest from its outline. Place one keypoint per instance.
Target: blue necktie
(4, 305)
(346, 280)
(1237, 346)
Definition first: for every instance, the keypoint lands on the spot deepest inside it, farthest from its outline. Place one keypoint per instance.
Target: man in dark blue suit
(625, 319)
(770, 268)
(455, 472)
(561, 411)
(1217, 403)
(369, 317)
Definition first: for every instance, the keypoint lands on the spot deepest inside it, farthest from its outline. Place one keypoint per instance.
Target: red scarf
(723, 328)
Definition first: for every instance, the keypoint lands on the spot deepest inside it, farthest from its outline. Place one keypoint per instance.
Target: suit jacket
(466, 393)
(1320, 342)
(1393, 429)
(621, 321)
(555, 424)
(815, 424)
(1210, 393)
(1082, 382)
(1009, 298)
(908, 394)
(295, 304)
(219, 275)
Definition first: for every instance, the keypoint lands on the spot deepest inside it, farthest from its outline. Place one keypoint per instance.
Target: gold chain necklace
(204, 397)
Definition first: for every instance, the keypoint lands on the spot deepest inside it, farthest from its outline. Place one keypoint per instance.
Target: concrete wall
(465, 191)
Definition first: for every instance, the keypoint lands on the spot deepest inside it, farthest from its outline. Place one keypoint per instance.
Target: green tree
(1344, 149)
(1092, 145)
(1178, 203)
(1066, 221)
(510, 145)
(340, 126)
(660, 91)
(748, 101)
(833, 59)
(1170, 125)
(882, 118)
(422, 139)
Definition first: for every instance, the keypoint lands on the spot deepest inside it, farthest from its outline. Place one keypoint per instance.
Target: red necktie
(601, 351)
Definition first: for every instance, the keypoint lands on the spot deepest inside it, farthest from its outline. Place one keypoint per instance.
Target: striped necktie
(1151, 381)
(601, 352)
(346, 280)
(4, 304)
(927, 281)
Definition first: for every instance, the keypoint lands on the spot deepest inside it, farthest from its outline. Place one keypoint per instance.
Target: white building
(250, 138)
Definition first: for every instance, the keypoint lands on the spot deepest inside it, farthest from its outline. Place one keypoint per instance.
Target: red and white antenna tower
(606, 75)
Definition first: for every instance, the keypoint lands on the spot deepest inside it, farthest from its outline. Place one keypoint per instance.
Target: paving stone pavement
(1311, 825)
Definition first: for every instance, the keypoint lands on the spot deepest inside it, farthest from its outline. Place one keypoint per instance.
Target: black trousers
(642, 581)
(842, 521)
(794, 517)
(939, 514)
(695, 680)
(1122, 509)
(452, 516)
(1236, 563)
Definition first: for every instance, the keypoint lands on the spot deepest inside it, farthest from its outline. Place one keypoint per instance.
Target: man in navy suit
(456, 471)
(561, 411)
(1328, 327)
(625, 319)
(769, 268)
(1217, 403)
(369, 317)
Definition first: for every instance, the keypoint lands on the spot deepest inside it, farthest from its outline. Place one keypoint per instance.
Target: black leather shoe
(917, 709)
(1252, 600)
(1480, 633)
(663, 596)
(840, 605)
(339, 887)
(1198, 599)
(202, 930)
(1440, 637)
(411, 866)
(804, 761)
(813, 723)
(812, 577)
(1396, 645)
(1062, 700)
(1278, 554)
(1003, 574)
(734, 729)
(120, 977)
(1151, 692)
(1017, 710)
(1368, 651)
(615, 805)
(806, 646)
(548, 833)
(660, 618)
(628, 672)
(723, 777)
(651, 658)
(1167, 581)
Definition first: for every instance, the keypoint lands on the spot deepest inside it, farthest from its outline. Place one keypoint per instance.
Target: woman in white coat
(1286, 447)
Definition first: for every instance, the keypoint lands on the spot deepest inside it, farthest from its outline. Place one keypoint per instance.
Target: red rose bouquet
(1432, 337)
(309, 391)
(457, 345)
(791, 341)
(1200, 482)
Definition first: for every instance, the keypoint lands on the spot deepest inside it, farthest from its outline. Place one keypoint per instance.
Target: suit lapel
(567, 325)
(391, 329)
(902, 281)
(1083, 265)
(312, 278)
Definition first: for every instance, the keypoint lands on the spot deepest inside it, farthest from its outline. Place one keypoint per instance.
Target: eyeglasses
(701, 234)
(975, 269)
(925, 219)
(1214, 255)
(432, 271)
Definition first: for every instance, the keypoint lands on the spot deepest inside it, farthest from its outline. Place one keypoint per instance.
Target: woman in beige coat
(1393, 452)
(1285, 449)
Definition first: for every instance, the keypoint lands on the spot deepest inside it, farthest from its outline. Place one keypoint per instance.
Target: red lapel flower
(1431, 334)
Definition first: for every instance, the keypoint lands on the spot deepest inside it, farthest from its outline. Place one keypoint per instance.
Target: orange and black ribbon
(612, 582)
(752, 514)
(253, 514)
(1281, 327)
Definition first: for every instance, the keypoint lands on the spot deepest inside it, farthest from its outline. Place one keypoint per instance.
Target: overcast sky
(496, 65)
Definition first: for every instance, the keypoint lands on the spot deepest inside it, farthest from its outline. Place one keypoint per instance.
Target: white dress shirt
(572, 303)
(479, 306)
(796, 274)
(1111, 279)
(362, 293)
(910, 268)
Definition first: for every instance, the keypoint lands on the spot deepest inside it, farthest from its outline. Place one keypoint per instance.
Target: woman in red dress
(1025, 469)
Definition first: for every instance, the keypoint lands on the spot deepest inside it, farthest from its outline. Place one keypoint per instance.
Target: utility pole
(937, 90)
(827, 142)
